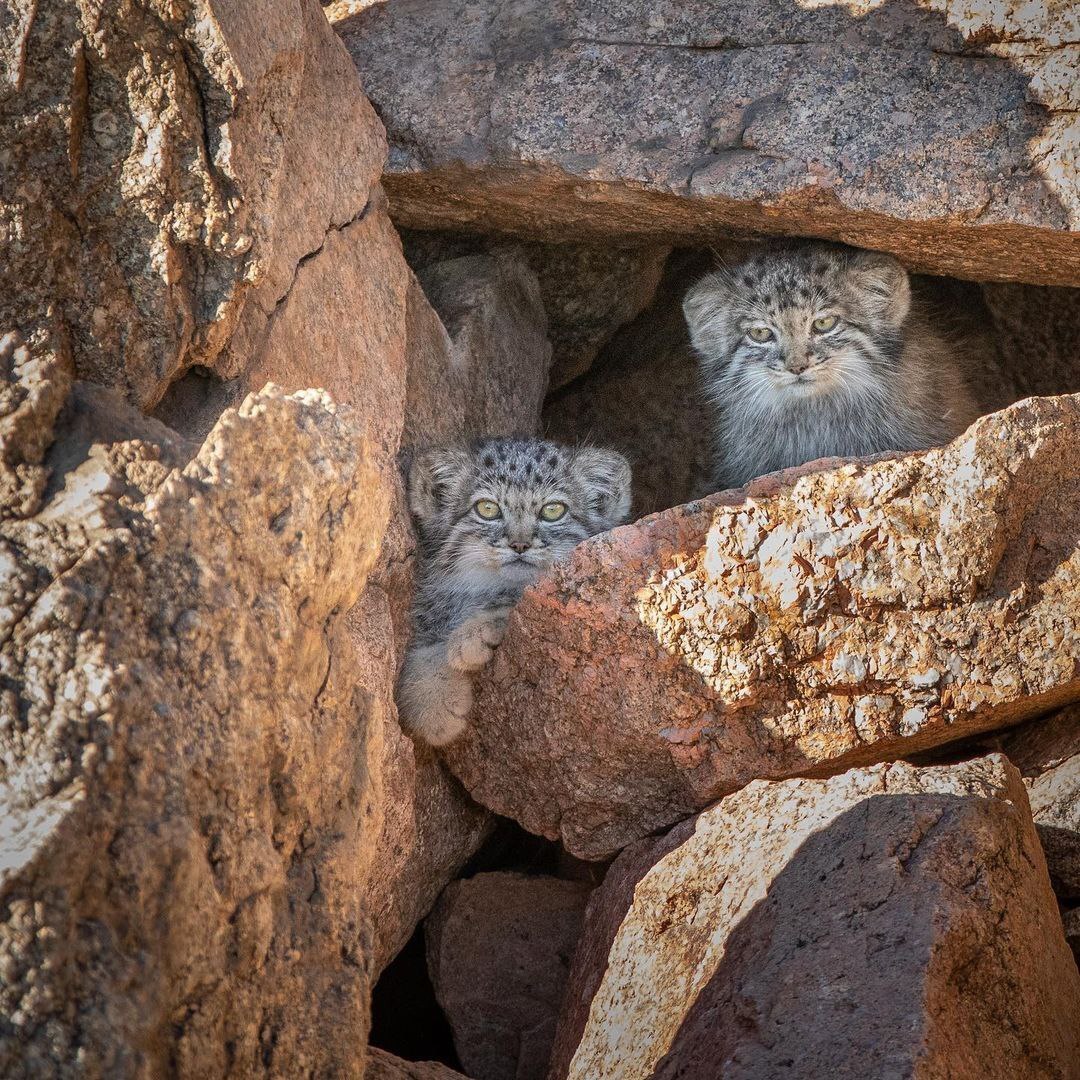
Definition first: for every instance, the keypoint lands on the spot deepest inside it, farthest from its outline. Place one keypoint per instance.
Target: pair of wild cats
(807, 350)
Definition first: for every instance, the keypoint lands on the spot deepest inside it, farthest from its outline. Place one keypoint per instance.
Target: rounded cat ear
(606, 477)
(884, 284)
(434, 479)
(705, 307)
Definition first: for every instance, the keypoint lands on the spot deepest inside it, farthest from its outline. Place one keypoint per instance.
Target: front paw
(437, 711)
(472, 645)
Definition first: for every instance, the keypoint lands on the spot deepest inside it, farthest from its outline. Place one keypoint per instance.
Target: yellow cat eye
(824, 323)
(760, 334)
(488, 509)
(552, 511)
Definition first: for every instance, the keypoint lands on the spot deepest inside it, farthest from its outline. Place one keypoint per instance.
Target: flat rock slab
(891, 922)
(499, 947)
(945, 134)
(818, 621)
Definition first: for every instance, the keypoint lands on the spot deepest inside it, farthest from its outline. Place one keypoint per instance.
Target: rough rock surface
(499, 947)
(383, 1066)
(944, 133)
(1047, 753)
(888, 922)
(818, 621)
(167, 172)
(476, 362)
(589, 290)
(187, 779)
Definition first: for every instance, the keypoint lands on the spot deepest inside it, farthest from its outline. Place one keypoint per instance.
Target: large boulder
(943, 133)
(499, 947)
(888, 922)
(816, 621)
(187, 785)
(168, 172)
(383, 1066)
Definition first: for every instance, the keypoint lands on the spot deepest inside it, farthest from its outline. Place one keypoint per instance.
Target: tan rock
(499, 947)
(167, 173)
(888, 922)
(1047, 753)
(821, 620)
(943, 133)
(485, 370)
(188, 790)
(383, 1066)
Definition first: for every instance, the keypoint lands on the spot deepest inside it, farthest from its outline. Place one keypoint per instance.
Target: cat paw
(439, 713)
(472, 645)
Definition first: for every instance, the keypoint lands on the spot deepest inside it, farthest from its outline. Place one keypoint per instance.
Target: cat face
(506, 509)
(799, 321)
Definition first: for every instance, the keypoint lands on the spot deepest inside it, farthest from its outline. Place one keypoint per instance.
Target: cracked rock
(890, 922)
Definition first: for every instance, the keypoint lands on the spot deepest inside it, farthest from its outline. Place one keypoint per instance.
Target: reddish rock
(818, 621)
(947, 137)
(383, 1066)
(887, 922)
(1047, 753)
(499, 947)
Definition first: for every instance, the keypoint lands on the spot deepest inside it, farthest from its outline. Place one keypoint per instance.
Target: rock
(383, 1066)
(1071, 922)
(683, 122)
(166, 176)
(818, 621)
(485, 370)
(891, 921)
(589, 290)
(188, 787)
(1047, 753)
(499, 947)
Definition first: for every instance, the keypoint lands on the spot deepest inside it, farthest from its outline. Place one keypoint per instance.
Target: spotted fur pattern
(474, 569)
(847, 363)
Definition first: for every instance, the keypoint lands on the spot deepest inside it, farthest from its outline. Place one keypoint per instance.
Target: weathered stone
(167, 171)
(888, 922)
(1071, 923)
(589, 290)
(187, 785)
(383, 1066)
(499, 947)
(819, 620)
(1047, 753)
(943, 133)
(485, 370)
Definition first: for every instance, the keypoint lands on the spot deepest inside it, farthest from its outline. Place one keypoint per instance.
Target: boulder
(887, 922)
(187, 788)
(945, 134)
(475, 362)
(1047, 753)
(168, 173)
(499, 947)
(383, 1066)
(821, 619)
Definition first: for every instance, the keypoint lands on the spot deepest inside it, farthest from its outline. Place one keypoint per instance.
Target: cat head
(799, 319)
(510, 507)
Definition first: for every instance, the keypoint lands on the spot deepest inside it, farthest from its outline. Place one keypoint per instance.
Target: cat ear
(884, 286)
(435, 479)
(706, 307)
(606, 477)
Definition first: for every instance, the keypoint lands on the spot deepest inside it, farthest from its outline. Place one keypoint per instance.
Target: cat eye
(487, 509)
(760, 334)
(824, 323)
(552, 511)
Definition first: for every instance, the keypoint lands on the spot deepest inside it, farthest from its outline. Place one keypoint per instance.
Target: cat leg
(434, 700)
(472, 644)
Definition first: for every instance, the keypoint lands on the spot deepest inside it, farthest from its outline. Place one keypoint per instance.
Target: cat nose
(800, 365)
(520, 545)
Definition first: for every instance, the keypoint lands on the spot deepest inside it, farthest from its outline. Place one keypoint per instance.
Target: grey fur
(474, 570)
(885, 378)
